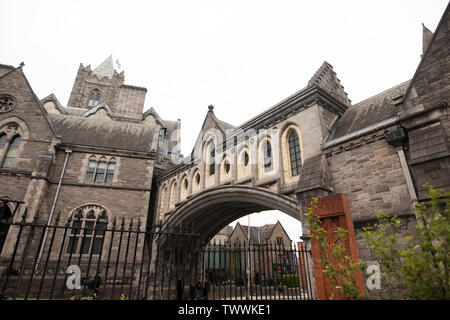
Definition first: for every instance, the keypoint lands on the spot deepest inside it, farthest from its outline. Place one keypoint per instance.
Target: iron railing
(143, 263)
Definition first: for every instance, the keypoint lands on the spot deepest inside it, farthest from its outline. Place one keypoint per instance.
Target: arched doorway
(5, 217)
(249, 270)
(212, 209)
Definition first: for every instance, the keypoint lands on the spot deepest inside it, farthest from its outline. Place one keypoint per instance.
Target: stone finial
(427, 35)
(211, 107)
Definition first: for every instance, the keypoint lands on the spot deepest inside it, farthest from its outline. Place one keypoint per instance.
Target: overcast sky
(241, 56)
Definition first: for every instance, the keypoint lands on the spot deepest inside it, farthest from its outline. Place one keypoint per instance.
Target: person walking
(96, 285)
(198, 290)
(206, 289)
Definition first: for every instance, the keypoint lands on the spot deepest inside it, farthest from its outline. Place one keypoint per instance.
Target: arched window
(94, 98)
(212, 160)
(100, 171)
(197, 178)
(5, 216)
(162, 206)
(172, 195)
(90, 170)
(8, 150)
(245, 159)
(110, 172)
(87, 231)
(268, 165)
(227, 166)
(2, 145)
(294, 153)
(184, 188)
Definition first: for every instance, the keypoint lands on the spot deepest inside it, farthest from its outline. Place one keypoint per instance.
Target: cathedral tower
(105, 85)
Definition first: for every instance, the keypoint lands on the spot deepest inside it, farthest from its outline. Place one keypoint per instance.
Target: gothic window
(94, 98)
(7, 103)
(227, 166)
(294, 153)
(8, 150)
(110, 172)
(163, 200)
(2, 145)
(197, 178)
(279, 240)
(100, 172)
(245, 158)
(172, 197)
(90, 170)
(184, 188)
(212, 160)
(87, 231)
(268, 166)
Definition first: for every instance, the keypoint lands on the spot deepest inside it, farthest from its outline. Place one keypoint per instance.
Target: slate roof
(258, 234)
(369, 112)
(52, 97)
(314, 174)
(326, 79)
(75, 111)
(105, 133)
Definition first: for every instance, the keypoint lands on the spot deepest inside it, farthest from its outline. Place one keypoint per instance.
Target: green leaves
(337, 265)
(417, 265)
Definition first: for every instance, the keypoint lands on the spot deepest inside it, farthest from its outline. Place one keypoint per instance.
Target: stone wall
(372, 176)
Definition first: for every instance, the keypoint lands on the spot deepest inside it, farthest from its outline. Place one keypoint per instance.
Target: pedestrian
(180, 286)
(198, 290)
(205, 289)
(192, 291)
(96, 284)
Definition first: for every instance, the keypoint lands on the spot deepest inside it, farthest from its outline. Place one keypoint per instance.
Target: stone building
(266, 234)
(266, 248)
(103, 156)
(94, 158)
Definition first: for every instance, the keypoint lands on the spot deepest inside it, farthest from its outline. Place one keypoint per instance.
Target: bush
(290, 280)
(416, 266)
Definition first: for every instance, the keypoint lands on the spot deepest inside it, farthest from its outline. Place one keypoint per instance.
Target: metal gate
(124, 260)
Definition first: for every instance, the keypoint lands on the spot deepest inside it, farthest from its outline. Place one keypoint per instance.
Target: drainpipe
(396, 139)
(409, 182)
(68, 152)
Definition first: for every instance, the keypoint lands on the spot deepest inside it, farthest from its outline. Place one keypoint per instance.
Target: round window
(7, 103)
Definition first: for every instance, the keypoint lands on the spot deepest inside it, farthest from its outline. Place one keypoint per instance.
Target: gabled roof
(38, 102)
(326, 79)
(105, 69)
(105, 133)
(153, 113)
(257, 234)
(369, 112)
(437, 49)
(102, 105)
(212, 122)
(58, 106)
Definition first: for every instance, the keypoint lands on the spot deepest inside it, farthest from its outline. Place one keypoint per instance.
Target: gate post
(334, 211)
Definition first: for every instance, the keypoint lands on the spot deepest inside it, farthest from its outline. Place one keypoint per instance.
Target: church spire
(105, 69)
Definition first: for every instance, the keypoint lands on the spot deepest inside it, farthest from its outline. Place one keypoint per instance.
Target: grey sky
(241, 56)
